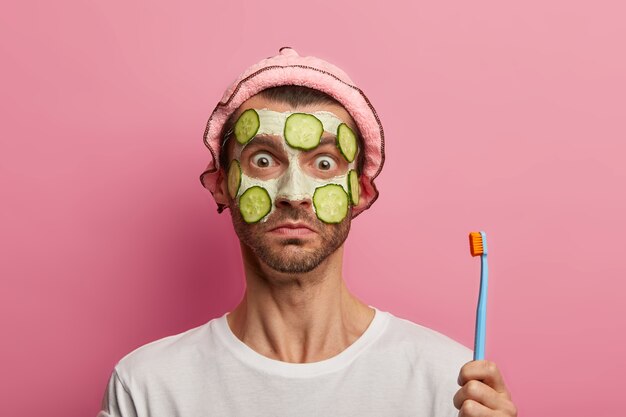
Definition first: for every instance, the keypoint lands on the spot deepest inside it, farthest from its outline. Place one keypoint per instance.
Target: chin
(293, 266)
(292, 258)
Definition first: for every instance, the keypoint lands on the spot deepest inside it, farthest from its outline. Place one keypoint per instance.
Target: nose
(292, 189)
(284, 201)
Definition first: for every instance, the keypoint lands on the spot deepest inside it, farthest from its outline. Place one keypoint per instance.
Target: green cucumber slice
(354, 187)
(331, 203)
(303, 131)
(246, 126)
(346, 142)
(234, 178)
(254, 204)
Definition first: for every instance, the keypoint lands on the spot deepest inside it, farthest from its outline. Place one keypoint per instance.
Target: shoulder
(423, 343)
(166, 355)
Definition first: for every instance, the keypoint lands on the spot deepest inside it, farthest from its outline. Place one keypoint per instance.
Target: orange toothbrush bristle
(476, 243)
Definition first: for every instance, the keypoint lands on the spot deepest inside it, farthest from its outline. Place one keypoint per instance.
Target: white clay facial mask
(278, 151)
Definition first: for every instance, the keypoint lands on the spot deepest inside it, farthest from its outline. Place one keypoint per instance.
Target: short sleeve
(117, 400)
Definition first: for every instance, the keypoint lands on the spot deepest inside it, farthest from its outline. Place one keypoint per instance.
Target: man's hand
(483, 392)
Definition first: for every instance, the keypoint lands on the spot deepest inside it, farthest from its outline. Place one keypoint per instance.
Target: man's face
(291, 237)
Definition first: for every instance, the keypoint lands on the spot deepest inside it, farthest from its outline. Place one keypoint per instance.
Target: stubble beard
(290, 254)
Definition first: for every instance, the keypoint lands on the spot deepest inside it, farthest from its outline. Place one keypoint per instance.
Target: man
(296, 148)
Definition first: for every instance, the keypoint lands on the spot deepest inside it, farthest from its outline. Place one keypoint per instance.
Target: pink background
(500, 116)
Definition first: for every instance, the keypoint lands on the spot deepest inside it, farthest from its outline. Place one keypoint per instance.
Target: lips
(290, 228)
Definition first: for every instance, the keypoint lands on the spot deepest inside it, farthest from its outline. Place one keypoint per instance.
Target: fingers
(483, 392)
(476, 391)
(474, 409)
(485, 371)
(471, 408)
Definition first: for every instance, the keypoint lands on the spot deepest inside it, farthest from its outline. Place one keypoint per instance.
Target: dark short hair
(294, 95)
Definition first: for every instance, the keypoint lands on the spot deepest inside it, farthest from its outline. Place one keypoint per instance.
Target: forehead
(258, 102)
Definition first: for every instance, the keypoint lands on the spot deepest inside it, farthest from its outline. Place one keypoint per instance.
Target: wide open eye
(325, 163)
(262, 160)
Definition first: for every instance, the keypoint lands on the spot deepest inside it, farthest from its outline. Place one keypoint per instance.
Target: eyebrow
(328, 140)
(264, 140)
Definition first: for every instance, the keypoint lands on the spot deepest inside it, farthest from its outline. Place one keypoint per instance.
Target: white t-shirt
(396, 368)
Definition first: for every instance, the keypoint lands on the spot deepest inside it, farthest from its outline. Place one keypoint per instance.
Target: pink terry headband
(289, 68)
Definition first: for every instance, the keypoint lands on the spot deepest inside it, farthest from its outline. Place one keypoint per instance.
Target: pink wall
(501, 116)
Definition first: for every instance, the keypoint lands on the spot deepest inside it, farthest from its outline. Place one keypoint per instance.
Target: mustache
(293, 214)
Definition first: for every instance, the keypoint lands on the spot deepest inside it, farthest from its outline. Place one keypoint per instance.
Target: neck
(304, 317)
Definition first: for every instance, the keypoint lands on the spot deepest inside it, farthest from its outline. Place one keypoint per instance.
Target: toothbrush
(478, 246)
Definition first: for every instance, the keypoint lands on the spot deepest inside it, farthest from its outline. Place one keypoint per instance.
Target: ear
(220, 194)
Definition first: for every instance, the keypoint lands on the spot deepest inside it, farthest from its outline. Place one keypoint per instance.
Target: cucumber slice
(354, 187)
(234, 178)
(254, 204)
(346, 142)
(331, 203)
(303, 131)
(246, 126)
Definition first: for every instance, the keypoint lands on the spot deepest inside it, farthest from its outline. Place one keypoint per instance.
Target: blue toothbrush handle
(481, 311)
